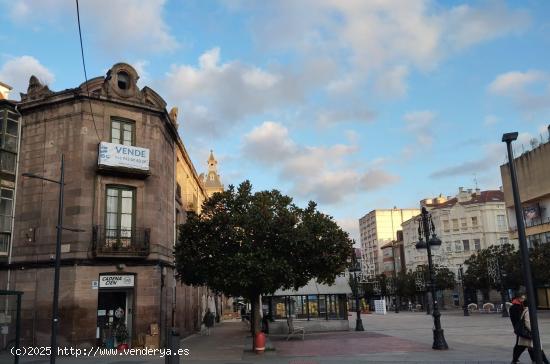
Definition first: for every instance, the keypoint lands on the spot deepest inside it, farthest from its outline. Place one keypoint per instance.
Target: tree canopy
(249, 243)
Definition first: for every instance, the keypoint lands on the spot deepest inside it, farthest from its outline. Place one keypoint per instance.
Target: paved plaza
(405, 337)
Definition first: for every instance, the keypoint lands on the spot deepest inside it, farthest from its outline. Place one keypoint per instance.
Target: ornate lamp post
(461, 277)
(426, 230)
(354, 271)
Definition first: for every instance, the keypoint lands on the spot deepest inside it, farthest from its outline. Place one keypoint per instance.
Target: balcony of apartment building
(537, 227)
(120, 242)
(191, 202)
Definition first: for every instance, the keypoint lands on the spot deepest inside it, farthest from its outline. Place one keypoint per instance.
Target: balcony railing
(109, 242)
(532, 222)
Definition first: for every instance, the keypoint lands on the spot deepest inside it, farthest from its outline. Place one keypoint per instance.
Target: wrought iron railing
(120, 242)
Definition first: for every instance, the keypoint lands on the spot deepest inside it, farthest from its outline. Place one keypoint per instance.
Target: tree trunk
(255, 319)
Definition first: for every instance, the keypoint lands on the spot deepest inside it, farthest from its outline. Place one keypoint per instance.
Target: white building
(468, 222)
(377, 228)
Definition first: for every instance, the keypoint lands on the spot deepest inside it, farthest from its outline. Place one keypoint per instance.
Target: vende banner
(116, 281)
(118, 155)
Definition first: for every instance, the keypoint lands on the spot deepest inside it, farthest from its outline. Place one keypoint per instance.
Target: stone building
(129, 181)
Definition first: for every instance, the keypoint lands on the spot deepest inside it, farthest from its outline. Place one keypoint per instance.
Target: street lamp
(354, 280)
(461, 276)
(426, 230)
(394, 244)
(59, 228)
(508, 138)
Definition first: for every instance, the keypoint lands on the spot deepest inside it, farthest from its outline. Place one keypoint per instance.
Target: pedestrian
(208, 321)
(519, 315)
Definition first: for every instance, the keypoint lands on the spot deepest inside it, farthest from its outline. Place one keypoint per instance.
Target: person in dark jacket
(519, 315)
(208, 320)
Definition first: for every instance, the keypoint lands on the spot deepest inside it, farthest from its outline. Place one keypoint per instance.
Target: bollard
(173, 344)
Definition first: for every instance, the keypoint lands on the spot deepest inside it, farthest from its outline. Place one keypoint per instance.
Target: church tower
(212, 181)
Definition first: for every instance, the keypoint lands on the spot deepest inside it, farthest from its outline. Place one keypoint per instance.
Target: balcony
(116, 243)
(538, 225)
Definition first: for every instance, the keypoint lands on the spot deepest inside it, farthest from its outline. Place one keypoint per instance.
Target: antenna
(475, 180)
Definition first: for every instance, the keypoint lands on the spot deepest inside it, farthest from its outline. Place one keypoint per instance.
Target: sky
(356, 105)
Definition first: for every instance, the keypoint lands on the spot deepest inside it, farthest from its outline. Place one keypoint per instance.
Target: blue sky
(354, 104)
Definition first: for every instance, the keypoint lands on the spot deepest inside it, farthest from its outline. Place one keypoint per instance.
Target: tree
(477, 276)
(250, 244)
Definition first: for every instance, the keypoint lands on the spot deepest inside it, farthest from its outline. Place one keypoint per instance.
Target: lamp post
(395, 283)
(426, 230)
(59, 228)
(461, 276)
(508, 138)
(354, 270)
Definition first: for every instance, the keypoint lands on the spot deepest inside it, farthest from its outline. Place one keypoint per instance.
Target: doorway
(114, 308)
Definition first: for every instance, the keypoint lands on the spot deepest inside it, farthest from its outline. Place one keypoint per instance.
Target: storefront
(115, 308)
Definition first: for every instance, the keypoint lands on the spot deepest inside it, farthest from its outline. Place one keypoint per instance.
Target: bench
(294, 330)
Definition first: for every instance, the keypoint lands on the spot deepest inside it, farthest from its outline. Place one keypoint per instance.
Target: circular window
(123, 80)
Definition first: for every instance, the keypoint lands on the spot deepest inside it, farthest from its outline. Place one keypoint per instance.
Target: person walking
(519, 315)
(208, 321)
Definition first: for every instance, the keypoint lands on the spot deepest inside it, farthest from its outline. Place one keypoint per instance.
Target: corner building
(129, 180)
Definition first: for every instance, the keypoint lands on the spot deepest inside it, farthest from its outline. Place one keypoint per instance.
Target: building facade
(376, 229)
(470, 221)
(533, 175)
(9, 146)
(128, 182)
(393, 256)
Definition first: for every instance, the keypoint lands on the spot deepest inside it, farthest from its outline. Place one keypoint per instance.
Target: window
(501, 222)
(503, 241)
(449, 246)
(119, 215)
(474, 221)
(458, 246)
(4, 243)
(463, 223)
(446, 225)
(123, 80)
(6, 209)
(477, 244)
(455, 224)
(466, 244)
(8, 140)
(122, 132)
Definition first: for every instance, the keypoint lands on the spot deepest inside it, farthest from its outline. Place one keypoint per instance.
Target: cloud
(16, 72)
(227, 93)
(114, 26)
(383, 40)
(316, 173)
(467, 25)
(528, 90)
(351, 225)
(419, 123)
(490, 120)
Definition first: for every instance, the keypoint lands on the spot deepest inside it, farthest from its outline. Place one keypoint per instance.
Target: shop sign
(116, 281)
(127, 156)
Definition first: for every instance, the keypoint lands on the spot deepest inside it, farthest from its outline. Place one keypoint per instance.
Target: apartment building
(377, 228)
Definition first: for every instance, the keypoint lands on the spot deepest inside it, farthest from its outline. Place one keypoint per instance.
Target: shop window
(119, 216)
(122, 132)
(6, 209)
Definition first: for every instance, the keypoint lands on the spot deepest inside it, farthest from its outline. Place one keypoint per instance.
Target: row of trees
(509, 262)
(477, 274)
(409, 284)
